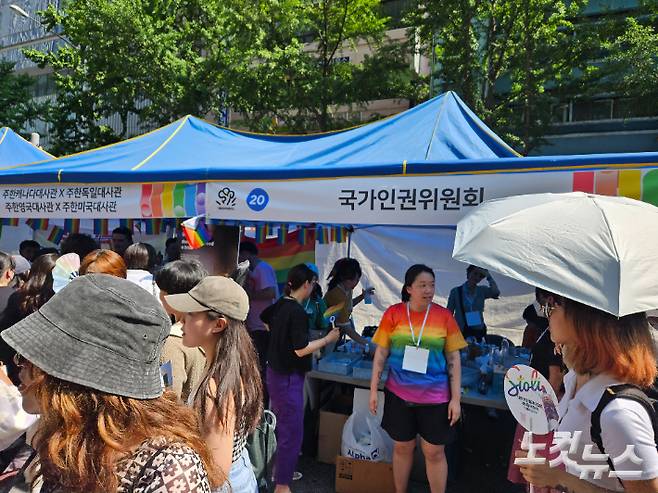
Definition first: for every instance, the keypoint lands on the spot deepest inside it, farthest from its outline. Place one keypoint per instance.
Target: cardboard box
(361, 476)
(330, 435)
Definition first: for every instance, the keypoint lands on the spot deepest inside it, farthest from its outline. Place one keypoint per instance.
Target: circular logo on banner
(531, 399)
(257, 199)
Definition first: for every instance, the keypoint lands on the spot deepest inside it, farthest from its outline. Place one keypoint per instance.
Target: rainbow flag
(332, 311)
(262, 231)
(101, 227)
(283, 257)
(56, 235)
(41, 224)
(323, 235)
(10, 221)
(195, 232)
(127, 223)
(305, 236)
(283, 234)
(339, 234)
(153, 226)
(72, 225)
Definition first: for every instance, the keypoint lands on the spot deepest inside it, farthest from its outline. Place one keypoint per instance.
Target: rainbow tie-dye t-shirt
(441, 335)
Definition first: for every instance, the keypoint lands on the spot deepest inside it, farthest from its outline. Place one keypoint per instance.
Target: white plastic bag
(365, 439)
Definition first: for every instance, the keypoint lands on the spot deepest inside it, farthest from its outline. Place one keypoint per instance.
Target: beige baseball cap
(214, 293)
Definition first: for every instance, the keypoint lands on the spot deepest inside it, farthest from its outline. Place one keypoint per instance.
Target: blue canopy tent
(435, 158)
(14, 149)
(191, 149)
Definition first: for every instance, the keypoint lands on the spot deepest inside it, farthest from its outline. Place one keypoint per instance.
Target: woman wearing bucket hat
(229, 398)
(94, 377)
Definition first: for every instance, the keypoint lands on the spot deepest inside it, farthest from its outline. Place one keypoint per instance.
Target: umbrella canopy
(601, 251)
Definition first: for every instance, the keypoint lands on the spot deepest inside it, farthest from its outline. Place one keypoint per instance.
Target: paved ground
(481, 460)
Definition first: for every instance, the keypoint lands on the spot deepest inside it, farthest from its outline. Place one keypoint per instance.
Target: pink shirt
(261, 277)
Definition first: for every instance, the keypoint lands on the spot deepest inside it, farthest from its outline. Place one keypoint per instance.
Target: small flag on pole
(10, 221)
(195, 232)
(72, 225)
(56, 235)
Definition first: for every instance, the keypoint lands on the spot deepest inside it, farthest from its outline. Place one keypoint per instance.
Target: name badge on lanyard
(415, 357)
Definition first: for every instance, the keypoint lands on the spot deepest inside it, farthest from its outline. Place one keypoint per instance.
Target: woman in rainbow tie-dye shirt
(421, 342)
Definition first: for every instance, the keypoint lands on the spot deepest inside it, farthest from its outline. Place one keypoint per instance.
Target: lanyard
(468, 297)
(422, 328)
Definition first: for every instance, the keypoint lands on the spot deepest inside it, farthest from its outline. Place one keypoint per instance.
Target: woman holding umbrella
(596, 274)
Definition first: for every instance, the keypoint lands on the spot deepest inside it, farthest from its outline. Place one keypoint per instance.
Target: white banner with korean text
(400, 200)
(68, 201)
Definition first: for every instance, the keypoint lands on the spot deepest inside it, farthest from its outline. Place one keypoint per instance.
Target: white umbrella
(601, 251)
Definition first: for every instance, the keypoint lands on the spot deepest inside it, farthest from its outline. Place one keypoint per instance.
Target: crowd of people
(87, 365)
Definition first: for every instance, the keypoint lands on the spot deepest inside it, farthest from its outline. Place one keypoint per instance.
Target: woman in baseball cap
(229, 398)
(89, 365)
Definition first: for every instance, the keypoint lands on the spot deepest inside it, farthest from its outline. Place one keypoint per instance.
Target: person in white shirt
(601, 350)
(140, 260)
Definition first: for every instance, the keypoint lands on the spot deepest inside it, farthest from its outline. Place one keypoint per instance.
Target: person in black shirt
(545, 360)
(288, 359)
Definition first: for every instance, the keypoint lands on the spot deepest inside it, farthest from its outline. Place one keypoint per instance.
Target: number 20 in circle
(257, 199)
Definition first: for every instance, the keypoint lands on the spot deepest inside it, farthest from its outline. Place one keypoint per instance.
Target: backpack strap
(622, 391)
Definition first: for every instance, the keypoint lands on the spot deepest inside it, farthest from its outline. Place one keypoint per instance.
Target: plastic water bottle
(367, 297)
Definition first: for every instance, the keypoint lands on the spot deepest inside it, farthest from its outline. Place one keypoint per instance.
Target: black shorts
(403, 421)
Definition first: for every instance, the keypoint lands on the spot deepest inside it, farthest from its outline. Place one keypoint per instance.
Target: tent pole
(349, 244)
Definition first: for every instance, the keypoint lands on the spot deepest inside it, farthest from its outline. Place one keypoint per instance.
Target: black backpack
(648, 397)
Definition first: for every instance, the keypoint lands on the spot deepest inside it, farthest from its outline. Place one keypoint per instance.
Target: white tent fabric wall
(386, 252)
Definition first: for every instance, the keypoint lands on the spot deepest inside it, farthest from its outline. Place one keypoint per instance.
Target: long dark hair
(38, 288)
(235, 369)
(343, 270)
(412, 273)
(297, 276)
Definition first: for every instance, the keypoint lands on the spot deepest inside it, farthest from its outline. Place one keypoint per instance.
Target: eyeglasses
(547, 310)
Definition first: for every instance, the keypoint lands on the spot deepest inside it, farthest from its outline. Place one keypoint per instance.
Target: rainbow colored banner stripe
(173, 200)
(56, 235)
(631, 183)
(283, 257)
(10, 221)
(72, 225)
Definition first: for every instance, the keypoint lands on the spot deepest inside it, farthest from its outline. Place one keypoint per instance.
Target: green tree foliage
(301, 77)
(157, 59)
(630, 67)
(510, 60)
(16, 105)
(271, 60)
